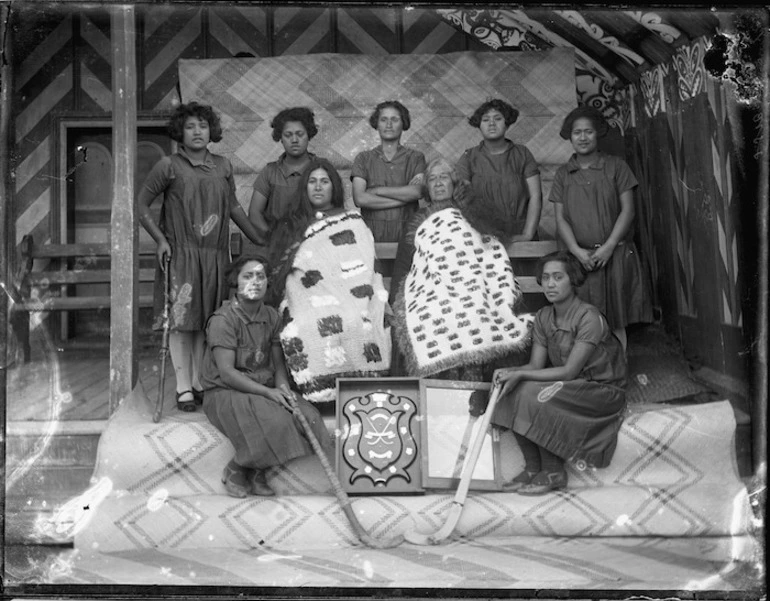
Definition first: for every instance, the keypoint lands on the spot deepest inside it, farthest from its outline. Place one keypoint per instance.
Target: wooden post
(759, 404)
(124, 308)
(6, 241)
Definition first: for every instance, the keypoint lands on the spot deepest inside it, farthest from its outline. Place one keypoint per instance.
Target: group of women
(309, 306)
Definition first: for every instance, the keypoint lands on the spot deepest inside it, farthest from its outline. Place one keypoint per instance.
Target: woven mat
(518, 563)
(658, 372)
(440, 90)
(157, 485)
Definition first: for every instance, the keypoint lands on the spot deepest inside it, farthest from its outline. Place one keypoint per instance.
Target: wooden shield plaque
(378, 435)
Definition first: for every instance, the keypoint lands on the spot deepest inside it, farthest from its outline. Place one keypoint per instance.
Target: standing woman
(504, 176)
(275, 190)
(193, 237)
(594, 200)
(387, 180)
(568, 402)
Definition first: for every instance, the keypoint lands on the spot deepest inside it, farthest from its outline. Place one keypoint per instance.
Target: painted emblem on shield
(379, 444)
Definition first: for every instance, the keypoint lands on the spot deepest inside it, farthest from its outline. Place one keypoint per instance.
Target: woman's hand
(602, 255)
(163, 253)
(509, 377)
(586, 258)
(280, 396)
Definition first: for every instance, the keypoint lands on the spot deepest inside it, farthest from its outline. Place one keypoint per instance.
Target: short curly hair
(509, 113)
(584, 112)
(406, 120)
(234, 268)
(575, 270)
(301, 114)
(204, 112)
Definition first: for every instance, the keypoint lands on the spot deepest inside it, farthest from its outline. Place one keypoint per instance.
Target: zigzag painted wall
(63, 68)
(680, 145)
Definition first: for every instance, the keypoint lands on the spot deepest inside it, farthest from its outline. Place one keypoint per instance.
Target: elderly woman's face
(440, 185)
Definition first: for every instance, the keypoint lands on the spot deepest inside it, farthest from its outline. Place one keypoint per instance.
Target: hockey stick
(164, 342)
(453, 516)
(341, 495)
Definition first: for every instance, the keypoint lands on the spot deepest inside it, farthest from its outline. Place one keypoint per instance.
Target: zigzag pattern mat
(158, 485)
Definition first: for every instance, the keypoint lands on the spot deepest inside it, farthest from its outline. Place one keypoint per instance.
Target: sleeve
(232, 198)
(589, 327)
(360, 167)
(530, 164)
(416, 165)
(275, 327)
(403, 263)
(538, 331)
(219, 332)
(262, 183)
(157, 181)
(557, 187)
(463, 166)
(624, 177)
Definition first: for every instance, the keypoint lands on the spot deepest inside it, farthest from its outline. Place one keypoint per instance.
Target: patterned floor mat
(515, 563)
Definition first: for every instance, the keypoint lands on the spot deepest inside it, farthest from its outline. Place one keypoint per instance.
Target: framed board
(378, 435)
(448, 433)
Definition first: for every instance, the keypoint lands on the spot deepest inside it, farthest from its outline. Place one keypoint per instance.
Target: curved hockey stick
(341, 495)
(164, 342)
(453, 516)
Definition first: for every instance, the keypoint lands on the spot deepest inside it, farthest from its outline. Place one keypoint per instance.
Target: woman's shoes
(187, 405)
(198, 396)
(543, 483)
(517, 482)
(235, 481)
(259, 485)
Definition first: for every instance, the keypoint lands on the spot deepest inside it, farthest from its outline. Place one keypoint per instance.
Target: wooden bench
(72, 264)
(519, 252)
(69, 265)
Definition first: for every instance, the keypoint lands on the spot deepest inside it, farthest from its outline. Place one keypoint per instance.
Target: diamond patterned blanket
(157, 485)
(440, 90)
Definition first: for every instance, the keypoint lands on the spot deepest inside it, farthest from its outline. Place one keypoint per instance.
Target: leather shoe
(235, 481)
(259, 486)
(543, 483)
(517, 482)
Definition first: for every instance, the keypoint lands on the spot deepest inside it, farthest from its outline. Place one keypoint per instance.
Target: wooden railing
(70, 266)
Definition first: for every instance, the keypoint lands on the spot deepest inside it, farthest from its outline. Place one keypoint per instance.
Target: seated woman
(455, 291)
(246, 385)
(334, 303)
(568, 402)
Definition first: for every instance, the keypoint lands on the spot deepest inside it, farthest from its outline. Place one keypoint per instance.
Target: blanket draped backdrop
(440, 90)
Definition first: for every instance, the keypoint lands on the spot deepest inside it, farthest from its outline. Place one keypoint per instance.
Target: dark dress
(501, 180)
(387, 225)
(195, 218)
(591, 204)
(278, 183)
(578, 419)
(262, 431)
